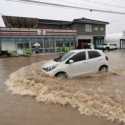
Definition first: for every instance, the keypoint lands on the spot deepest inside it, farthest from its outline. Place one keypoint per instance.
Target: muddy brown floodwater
(101, 96)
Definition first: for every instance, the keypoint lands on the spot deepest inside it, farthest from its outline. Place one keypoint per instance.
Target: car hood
(50, 63)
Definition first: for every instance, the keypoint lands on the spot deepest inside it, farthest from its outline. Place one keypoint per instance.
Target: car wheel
(108, 48)
(103, 69)
(61, 75)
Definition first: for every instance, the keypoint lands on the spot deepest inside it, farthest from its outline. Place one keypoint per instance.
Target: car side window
(93, 54)
(79, 57)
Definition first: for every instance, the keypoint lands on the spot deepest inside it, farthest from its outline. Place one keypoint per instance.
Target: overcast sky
(117, 22)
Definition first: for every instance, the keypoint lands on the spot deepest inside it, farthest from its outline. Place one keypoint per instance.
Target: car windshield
(64, 57)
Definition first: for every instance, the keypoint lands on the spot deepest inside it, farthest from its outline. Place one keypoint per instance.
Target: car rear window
(93, 54)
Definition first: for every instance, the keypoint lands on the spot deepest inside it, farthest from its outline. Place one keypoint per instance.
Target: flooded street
(108, 89)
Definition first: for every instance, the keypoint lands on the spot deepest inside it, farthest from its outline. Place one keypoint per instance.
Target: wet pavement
(18, 110)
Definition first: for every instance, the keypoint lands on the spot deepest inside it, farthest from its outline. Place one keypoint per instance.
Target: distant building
(24, 32)
(122, 41)
(116, 38)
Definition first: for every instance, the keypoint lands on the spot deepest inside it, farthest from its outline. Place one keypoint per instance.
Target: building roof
(57, 22)
(26, 22)
(89, 21)
(20, 22)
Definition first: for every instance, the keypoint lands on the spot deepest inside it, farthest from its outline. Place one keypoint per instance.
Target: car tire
(61, 75)
(103, 69)
(108, 48)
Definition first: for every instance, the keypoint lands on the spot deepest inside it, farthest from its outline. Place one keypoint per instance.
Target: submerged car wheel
(61, 75)
(103, 69)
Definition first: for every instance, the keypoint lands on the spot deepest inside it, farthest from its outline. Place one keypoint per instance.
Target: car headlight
(49, 68)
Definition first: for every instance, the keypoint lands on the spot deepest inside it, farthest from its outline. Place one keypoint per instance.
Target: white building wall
(9, 46)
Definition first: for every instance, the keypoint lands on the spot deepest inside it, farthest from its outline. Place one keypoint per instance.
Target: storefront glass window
(20, 46)
(47, 44)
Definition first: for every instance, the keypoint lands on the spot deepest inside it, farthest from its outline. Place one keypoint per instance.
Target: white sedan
(76, 63)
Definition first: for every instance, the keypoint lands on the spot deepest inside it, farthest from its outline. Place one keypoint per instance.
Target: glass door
(21, 47)
(0, 45)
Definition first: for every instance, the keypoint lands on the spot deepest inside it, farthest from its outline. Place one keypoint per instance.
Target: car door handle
(85, 62)
(100, 59)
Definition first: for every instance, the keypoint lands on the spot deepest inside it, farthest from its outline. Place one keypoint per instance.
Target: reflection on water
(96, 94)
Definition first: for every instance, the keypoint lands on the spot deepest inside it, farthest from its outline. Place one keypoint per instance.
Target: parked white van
(76, 63)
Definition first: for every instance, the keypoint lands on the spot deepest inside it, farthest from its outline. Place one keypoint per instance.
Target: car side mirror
(71, 61)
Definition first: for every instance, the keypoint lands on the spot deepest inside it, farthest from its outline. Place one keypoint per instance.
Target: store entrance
(21, 47)
(84, 44)
(0, 45)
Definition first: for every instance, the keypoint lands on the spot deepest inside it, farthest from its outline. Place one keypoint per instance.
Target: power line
(106, 4)
(69, 6)
(97, 2)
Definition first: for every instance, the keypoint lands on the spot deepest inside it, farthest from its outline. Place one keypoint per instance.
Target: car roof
(82, 50)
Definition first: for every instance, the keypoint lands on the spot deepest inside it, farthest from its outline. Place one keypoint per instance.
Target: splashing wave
(96, 94)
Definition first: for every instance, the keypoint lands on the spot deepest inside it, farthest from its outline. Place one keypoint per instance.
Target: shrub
(27, 52)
